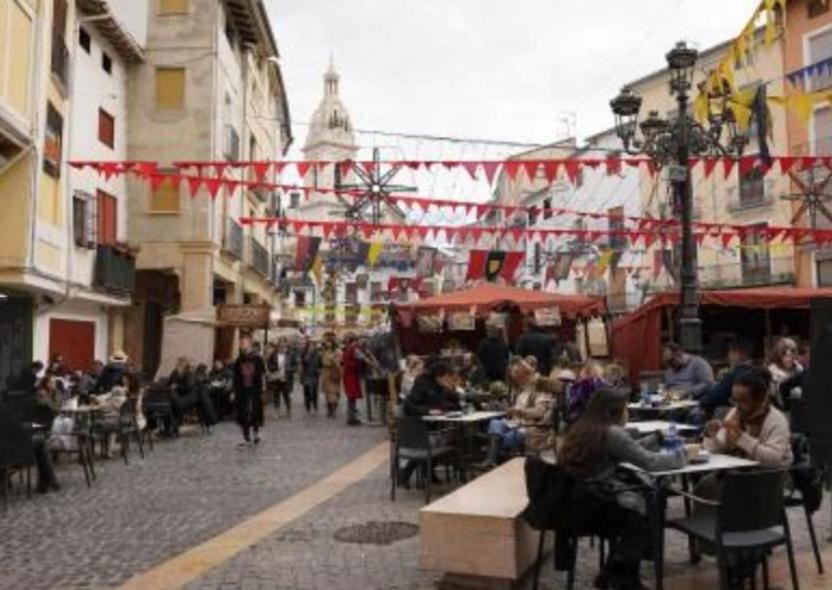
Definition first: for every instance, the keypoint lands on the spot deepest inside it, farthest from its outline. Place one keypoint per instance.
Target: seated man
(531, 413)
(433, 393)
(718, 395)
(13, 434)
(754, 429)
(687, 373)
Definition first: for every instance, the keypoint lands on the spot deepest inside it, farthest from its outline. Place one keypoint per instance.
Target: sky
(531, 71)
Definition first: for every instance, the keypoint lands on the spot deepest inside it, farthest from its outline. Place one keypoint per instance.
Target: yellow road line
(198, 561)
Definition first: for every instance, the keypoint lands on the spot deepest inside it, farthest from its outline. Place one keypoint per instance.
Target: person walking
(351, 361)
(248, 374)
(330, 373)
(310, 374)
(281, 365)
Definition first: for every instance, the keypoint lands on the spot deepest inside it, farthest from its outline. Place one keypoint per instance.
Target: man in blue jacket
(718, 395)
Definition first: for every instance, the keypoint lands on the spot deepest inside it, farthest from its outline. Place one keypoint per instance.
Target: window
(824, 273)
(52, 143)
(822, 131)
(169, 7)
(755, 256)
(820, 48)
(547, 208)
(107, 218)
(106, 63)
(83, 220)
(817, 7)
(106, 128)
(170, 89)
(84, 40)
(294, 200)
(300, 298)
(165, 199)
(376, 292)
(752, 187)
(60, 53)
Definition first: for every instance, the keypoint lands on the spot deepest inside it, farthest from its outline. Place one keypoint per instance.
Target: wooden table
(657, 505)
(476, 533)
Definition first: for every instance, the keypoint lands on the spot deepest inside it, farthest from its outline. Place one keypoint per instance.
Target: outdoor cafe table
(657, 503)
(465, 423)
(677, 406)
(651, 426)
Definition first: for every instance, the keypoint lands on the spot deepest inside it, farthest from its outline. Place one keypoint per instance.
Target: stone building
(218, 97)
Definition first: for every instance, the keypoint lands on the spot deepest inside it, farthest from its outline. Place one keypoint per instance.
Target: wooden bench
(476, 535)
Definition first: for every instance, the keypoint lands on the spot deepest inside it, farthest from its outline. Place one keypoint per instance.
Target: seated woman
(754, 428)
(591, 452)
(111, 403)
(527, 421)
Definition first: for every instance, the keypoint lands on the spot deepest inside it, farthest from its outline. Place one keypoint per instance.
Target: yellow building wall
(50, 208)
(15, 188)
(47, 257)
(16, 32)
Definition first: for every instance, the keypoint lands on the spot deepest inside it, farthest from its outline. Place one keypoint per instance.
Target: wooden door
(75, 341)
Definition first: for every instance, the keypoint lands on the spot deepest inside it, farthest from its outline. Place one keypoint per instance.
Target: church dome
(330, 124)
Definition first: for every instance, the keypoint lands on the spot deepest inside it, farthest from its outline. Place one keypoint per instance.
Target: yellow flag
(604, 262)
(318, 270)
(374, 253)
(701, 107)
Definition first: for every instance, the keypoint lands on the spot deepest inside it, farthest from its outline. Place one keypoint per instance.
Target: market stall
(757, 314)
(459, 317)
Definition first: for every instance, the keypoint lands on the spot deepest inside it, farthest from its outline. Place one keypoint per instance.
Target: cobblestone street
(184, 492)
(139, 516)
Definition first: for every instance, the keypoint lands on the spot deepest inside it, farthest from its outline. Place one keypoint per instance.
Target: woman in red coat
(351, 360)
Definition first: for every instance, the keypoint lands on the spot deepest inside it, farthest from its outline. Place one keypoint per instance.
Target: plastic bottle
(645, 394)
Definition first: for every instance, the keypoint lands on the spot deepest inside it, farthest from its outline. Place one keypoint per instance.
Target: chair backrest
(752, 500)
(127, 412)
(412, 433)
(21, 402)
(16, 446)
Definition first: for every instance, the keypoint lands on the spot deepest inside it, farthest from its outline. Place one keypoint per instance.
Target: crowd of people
(578, 412)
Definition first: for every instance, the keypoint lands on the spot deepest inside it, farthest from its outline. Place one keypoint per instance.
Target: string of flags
(462, 234)
(212, 175)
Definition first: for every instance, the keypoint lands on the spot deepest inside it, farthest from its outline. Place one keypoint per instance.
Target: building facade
(751, 198)
(218, 97)
(808, 41)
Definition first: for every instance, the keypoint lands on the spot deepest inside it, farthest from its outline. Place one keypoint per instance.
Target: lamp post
(670, 143)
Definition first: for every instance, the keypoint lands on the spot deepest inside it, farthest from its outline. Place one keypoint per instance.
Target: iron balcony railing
(259, 257)
(234, 239)
(115, 270)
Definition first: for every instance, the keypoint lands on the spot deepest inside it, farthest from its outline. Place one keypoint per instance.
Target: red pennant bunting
(231, 186)
(550, 170)
(477, 233)
(326, 229)
(572, 168)
(260, 170)
(471, 169)
(700, 238)
(786, 164)
(530, 166)
(213, 185)
(726, 239)
(109, 169)
(490, 170)
(747, 164)
(511, 168)
(634, 236)
(807, 162)
(649, 239)
(297, 225)
(727, 166)
(368, 167)
(710, 164)
(613, 166)
(220, 167)
(156, 181)
(194, 182)
(303, 168)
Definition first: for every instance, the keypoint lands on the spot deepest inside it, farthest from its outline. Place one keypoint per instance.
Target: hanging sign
(244, 316)
(462, 321)
(547, 316)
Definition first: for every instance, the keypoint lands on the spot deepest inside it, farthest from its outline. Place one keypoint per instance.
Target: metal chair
(17, 452)
(750, 514)
(806, 489)
(412, 442)
(124, 427)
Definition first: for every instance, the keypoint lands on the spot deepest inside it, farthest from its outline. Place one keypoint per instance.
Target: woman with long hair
(592, 451)
(783, 365)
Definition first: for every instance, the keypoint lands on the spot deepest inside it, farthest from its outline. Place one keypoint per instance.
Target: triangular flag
(550, 170)
(490, 170)
(471, 169)
(213, 185)
(613, 165)
(726, 239)
(303, 168)
(572, 168)
(530, 166)
(511, 168)
(260, 170)
(786, 163)
(710, 164)
(194, 182)
(727, 165)
(156, 181)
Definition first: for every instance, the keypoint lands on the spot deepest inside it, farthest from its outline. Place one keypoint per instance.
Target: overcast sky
(492, 69)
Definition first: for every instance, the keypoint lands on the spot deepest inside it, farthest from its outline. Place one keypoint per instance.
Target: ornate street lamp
(670, 143)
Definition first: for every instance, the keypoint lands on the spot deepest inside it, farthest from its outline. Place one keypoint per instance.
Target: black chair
(806, 489)
(22, 403)
(83, 435)
(412, 442)
(749, 515)
(17, 451)
(123, 428)
(158, 407)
